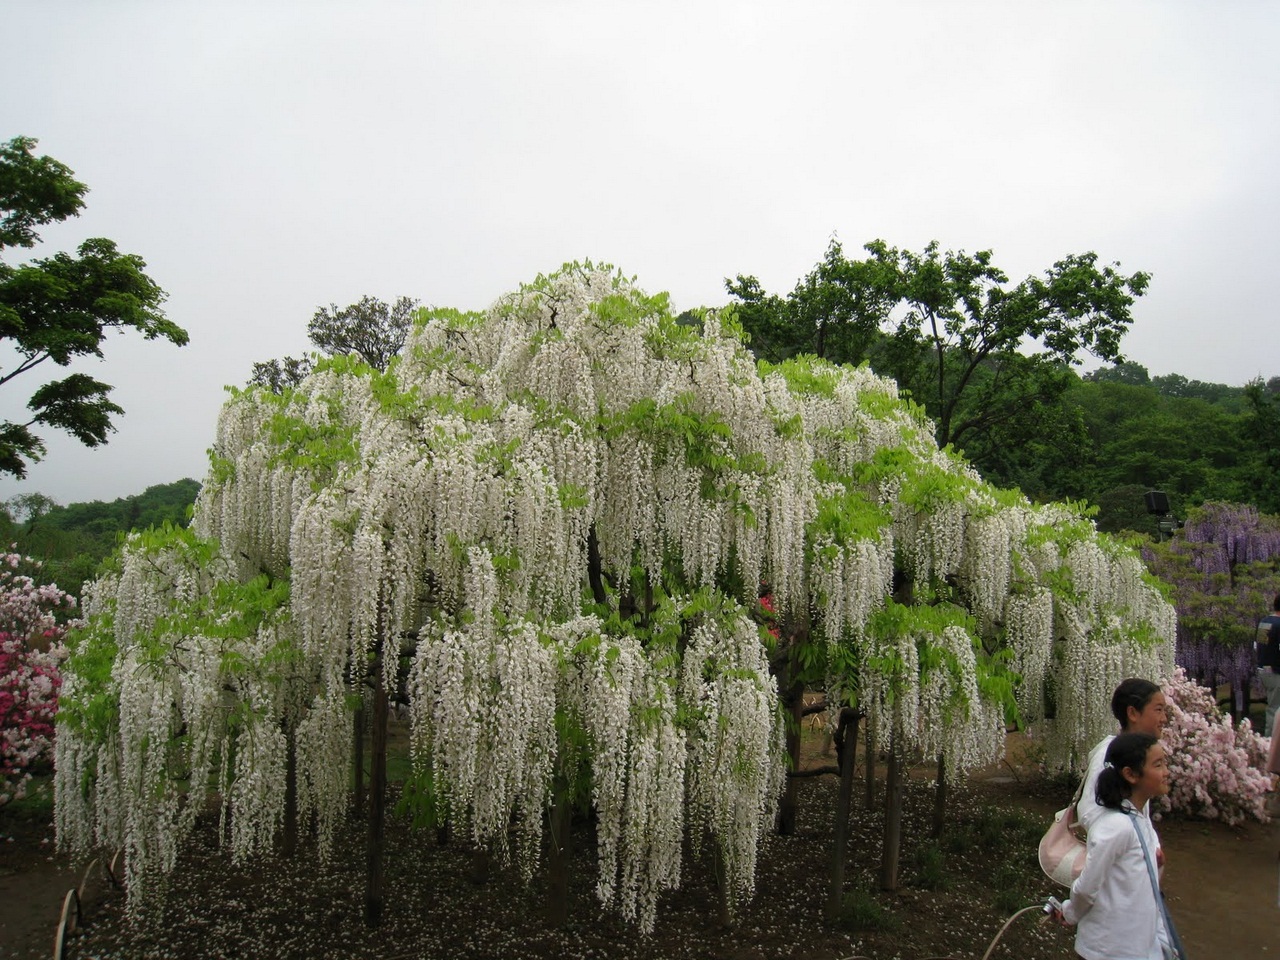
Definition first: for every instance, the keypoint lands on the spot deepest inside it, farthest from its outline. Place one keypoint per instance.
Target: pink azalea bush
(31, 650)
(1217, 771)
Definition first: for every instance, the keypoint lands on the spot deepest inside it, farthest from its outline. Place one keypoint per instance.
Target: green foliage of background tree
(1137, 433)
(1122, 372)
(60, 308)
(835, 313)
(280, 375)
(1230, 399)
(1198, 442)
(370, 329)
(1261, 444)
(1185, 446)
(993, 364)
(988, 361)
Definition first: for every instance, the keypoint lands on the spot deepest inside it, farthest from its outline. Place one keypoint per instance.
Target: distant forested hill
(73, 540)
(1120, 433)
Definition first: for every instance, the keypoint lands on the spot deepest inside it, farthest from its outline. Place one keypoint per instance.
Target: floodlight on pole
(1158, 506)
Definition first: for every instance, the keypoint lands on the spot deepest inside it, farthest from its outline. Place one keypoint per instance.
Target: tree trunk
(377, 798)
(594, 575)
(892, 818)
(846, 750)
(559, 822)
(940, 799)
(481, 866)
(724, 913)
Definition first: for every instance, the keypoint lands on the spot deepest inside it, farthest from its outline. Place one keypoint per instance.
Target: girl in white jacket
(1113, 904)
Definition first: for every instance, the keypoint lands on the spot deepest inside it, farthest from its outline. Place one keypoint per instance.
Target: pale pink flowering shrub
(30, 653)
(1216, 771)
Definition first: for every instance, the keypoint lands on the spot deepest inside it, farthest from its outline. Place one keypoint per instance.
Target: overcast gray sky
(268, 158)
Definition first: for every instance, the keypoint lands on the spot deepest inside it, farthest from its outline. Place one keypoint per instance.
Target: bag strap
(1174, 940)
(1075, 801)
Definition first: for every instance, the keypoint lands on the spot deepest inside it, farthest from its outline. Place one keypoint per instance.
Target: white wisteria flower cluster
(562, 509)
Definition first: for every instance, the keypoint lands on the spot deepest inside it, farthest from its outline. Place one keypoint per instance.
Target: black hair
(1127, 750)
(1275, 604)
(1134, 692)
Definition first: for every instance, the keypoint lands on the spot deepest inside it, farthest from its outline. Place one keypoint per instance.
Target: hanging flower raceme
(736, 771)
(958, 722)
(322, 744)
(1028, 619)
(1110, 622)
(599, 677)
(652, 818)
(484, 718)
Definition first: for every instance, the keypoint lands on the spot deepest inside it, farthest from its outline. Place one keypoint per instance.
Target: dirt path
(1222, 886)
(33, 883)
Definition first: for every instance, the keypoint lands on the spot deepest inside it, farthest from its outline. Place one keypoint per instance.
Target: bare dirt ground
(1222, 885)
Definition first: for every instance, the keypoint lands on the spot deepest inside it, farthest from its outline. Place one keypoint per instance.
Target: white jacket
(1112, 904)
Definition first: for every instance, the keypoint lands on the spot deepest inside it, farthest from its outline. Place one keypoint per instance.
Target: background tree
(27, 508)
(1138, 435)
(283, 374)
(34, 191)
(1260, 443)
(1231, 399)
(371, 329)
(1122, 372)
(988, 361)
(974, 350)
(61, 307)
(1124, 508)
(835, 313)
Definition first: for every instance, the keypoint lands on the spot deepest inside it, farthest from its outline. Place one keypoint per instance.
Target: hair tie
(1108, 765)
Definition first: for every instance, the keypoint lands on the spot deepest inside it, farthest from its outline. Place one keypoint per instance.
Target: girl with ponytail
(1115, 903)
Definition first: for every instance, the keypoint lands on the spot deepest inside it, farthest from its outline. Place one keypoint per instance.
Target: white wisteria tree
(561, 511)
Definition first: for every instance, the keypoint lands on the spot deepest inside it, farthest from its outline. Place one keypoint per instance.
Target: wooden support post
(559, 822)
(290, 844)
(892, 818)
(940, 799)
(789, 806)
(357, 751)
(724, 914)
(870, 760)
(377, 797)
